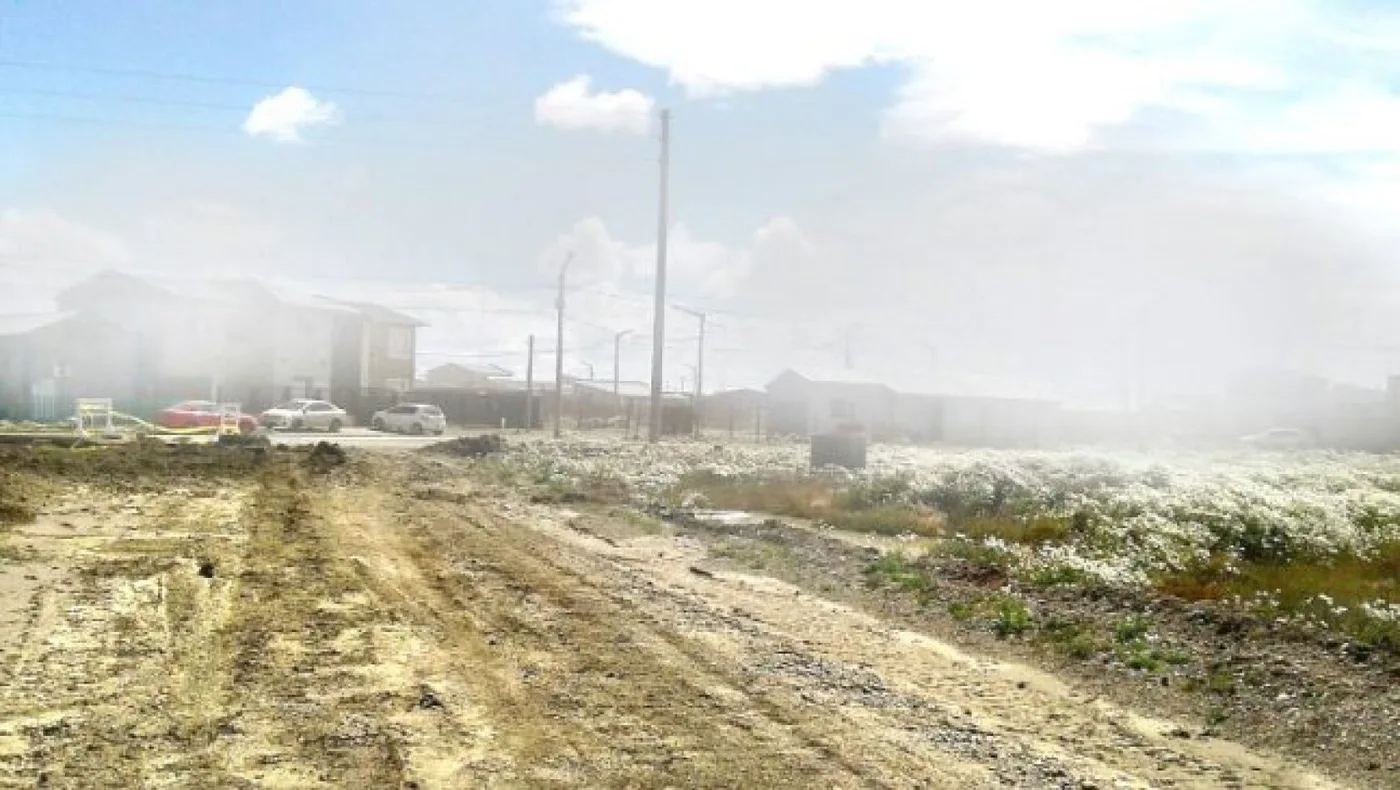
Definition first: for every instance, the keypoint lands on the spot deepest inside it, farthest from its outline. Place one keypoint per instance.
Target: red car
(200, 414)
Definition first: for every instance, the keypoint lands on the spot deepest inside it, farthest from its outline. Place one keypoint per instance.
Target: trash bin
(846, 450)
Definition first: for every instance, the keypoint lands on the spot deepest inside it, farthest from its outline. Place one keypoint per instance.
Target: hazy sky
(1027, 196)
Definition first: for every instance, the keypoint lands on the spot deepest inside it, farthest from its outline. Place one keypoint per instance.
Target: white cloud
(695, 267)
(574, 105)
(284, 116)
(1049, 76)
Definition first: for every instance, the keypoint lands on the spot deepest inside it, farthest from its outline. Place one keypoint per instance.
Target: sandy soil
(395, 624)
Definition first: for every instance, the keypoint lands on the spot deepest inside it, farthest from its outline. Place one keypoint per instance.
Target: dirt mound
(324, 457)
(470, 446)
(144, 460)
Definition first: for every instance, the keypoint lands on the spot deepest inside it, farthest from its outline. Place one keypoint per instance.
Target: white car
(305, 415)
(414, 418)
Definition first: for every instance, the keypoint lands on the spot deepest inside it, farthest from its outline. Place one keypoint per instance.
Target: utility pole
(530, 387)
(658, 332)
(617, 359)
(559, 350)
(699, 363)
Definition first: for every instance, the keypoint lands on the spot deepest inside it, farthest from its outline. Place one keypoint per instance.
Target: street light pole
(559, 350)
(699, 362)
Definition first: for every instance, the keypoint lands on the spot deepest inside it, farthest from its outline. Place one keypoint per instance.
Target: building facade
(233, 341)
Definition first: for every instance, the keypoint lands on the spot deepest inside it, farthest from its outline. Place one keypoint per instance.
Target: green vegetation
(1013, 618)
(1070, 637)
(1131, 630)
(980, 555)
(896, 570)
(1332, 590)
(1061, 576)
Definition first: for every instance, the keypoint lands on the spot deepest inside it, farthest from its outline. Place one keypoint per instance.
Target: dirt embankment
(392, 623)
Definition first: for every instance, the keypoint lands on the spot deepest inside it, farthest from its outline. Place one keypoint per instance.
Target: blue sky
(1204, 178)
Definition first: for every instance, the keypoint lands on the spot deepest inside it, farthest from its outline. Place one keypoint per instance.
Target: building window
(397, 385)
(842, 409)
(400, 342)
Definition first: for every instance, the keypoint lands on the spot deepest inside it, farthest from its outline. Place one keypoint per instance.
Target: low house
(626, 404)
(735, 411)
(46, 360)
(455, 374)
(808, 402)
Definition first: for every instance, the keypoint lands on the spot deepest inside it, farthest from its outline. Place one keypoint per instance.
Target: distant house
(454, 374)
(805, 403)
(736, 410)
(232, 340)
(46, 360)
(375, 348)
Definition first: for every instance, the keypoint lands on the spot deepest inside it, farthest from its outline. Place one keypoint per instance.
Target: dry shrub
(15, 506)
(1331, 589)
(1033, 531)
(811, 498)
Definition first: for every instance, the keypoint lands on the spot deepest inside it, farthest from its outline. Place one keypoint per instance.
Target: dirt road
(398, 624)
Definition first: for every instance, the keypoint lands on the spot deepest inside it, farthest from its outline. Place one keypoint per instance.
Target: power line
(225, 131)
(215, 80)
(206, 105)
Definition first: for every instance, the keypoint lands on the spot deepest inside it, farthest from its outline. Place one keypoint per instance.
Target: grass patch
(16, 506)
(1136, 652)
(757, 555)
(1219, 683)
(595, 490)
(1133, 629)
(896, 570)
(1331, 590)
(1012, 618)
(1007, 615)
(861, 508)
(1073, 638)
(992, 558)
(1028, 531)
(1061, 576)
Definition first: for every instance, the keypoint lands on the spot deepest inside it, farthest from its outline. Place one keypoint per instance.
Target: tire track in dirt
(1030, 730)
(580, 693)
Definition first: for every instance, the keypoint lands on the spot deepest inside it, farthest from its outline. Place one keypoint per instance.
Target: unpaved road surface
(396, 624)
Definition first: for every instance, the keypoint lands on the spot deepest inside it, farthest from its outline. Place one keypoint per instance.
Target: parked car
(1278, 439)
(200, 414)
(414, 418)
(305, 415)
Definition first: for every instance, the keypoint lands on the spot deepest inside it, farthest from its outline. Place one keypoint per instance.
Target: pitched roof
(377, 313)
(948, 383)
(833, 376)
(487, 370)
(235, 290)
(24, 323)
(625, 389)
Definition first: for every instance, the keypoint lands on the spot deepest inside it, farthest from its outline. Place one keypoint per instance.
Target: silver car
(305, 415)
(414, 418)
